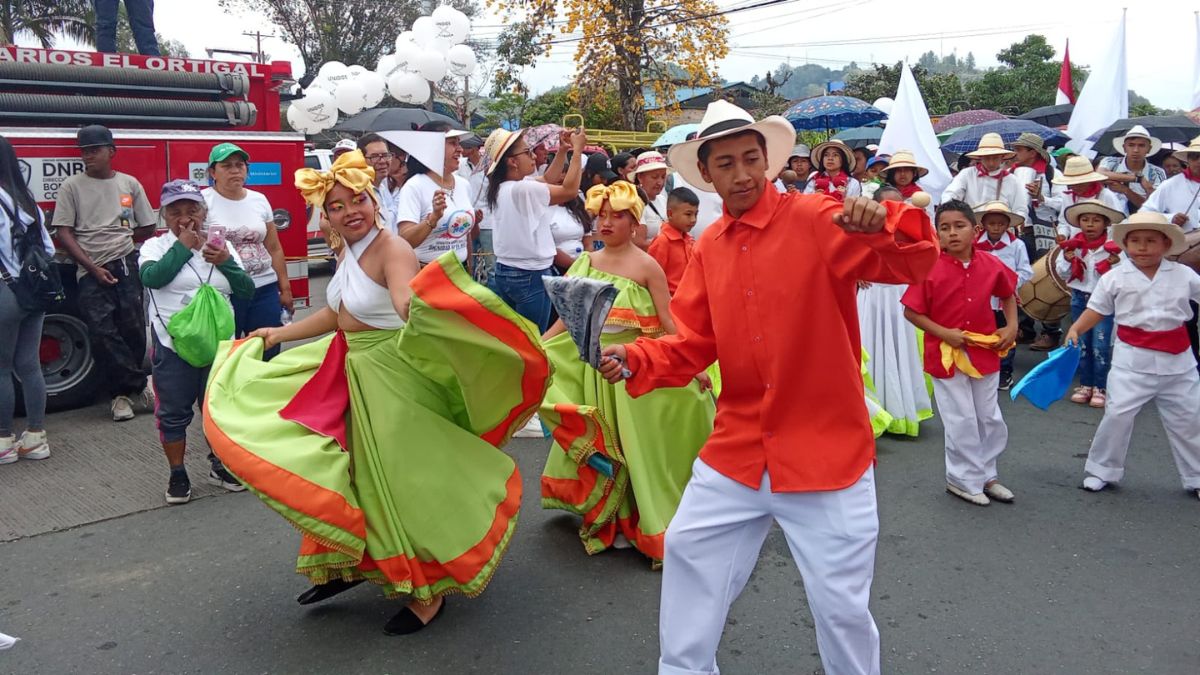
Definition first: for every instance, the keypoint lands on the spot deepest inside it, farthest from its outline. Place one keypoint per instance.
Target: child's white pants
(975, 431)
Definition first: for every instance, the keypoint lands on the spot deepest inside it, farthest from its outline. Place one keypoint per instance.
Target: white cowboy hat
(723, 118)
(990, 145)
(904, 159)
(1096, 206)
(1014, 219)
(649, 161)
(1148, 220)
(818, 155)
(1077, 172)
(1138, 131)
(1193, 146)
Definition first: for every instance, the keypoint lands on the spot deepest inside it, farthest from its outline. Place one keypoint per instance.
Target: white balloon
(408, 88)
(374, 88)
(385, 65)
(350, 97)
(885, 104)
(300, 121)
(334, 73)
(443, 22)
(431, 65)
(439, 45)
(460, 27)
(356, 71)
(319, 106)
(461, 60)
(423, 30)
(405, 38)
(406, 60)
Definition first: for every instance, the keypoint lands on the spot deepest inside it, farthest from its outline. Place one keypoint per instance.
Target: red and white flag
(1066, 94)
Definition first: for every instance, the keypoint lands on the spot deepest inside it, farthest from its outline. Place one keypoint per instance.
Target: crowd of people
(776, 373)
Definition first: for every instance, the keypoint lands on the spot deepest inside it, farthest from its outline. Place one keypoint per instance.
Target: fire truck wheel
(72, 378)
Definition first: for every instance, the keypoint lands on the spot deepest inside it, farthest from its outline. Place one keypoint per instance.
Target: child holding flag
(963, 349)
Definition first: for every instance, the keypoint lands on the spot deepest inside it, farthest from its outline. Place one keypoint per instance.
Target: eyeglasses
(526, 151)
(380, 157)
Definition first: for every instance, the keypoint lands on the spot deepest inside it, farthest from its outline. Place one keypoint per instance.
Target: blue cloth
(1095, 345)
(1049, 380)
(261, 311)
(524, 291)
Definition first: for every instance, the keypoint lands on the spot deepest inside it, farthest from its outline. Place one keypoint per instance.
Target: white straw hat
(1138, 131)
(1148, 220)
(1014, 219)
(991, 145)
(1077, 172)
(723, 118)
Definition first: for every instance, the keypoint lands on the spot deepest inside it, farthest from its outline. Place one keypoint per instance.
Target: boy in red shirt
(953, 307)
(672, 248)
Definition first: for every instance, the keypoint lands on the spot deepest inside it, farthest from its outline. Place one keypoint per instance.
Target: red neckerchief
(983, 173)
(1188, 173)
(909, 190)
(1039, 165)
(985, 242)
(1082, 246)
(824, 183)
(1086, 190)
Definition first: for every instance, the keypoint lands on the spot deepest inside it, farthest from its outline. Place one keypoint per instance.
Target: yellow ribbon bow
(349, 169)
(957, 357)
(623, 197)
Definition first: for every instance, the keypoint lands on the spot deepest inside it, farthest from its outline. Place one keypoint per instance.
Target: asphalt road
(1061, 582)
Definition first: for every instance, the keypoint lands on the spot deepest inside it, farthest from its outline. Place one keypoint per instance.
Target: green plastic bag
(198, 328)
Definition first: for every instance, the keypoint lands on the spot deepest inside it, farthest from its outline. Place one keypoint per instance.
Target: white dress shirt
(1012, 252)
(976, 190)
(1177, 194)
(1157, 304)
(1090, 276)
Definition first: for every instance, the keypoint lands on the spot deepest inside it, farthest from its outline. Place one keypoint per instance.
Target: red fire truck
(165, 114)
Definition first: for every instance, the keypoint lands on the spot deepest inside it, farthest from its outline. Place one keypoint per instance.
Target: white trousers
(975, 431)
(712, 546)
(1178, 399)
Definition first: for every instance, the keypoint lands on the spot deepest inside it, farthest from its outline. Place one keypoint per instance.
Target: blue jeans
(141, 21)
(1096, 346)
(485, 258)
(19, 344)
(523, 291)
(261, 311)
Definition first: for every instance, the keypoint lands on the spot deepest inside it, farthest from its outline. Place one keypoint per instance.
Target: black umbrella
(1166, 128)
(392, 119)
(1050, 115)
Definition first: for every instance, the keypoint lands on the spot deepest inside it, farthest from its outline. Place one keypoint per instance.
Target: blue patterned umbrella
(832, 112)
(676, 134)
(967, 140)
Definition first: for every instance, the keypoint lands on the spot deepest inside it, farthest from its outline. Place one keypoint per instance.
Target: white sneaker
(122, 409)
(34, 445)
(146, 398)
(8, 449)
(976, 498)
(999, 493)
(621, 542)
(532, 429)
(1093, 484)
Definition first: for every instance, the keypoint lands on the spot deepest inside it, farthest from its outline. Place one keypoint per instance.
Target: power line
(915, 37)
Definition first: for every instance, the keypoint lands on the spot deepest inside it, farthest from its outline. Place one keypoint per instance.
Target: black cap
(94, 135)
(597, 165)
(471, 141)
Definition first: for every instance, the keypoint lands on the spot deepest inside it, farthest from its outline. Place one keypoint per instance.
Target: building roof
(700, 97)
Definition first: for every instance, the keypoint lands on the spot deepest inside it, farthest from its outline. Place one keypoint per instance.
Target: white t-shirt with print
(567, 231)
(451, 232)
(521, 226)
(245, 222)
(167, 301)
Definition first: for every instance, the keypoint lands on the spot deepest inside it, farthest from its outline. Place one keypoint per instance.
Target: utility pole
(258, 38)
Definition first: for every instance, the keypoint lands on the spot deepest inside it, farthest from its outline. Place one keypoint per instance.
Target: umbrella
(967, 139)
(676, 134)
(860, 137)
(1050, 115)
(1049, 380)
(832, 112)
(1166, 128)
(543, 134)
(943, 135)
(391, 119)
(964, 118)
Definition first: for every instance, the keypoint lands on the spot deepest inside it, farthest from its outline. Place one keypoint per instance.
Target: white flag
(1196, 68)
(1104, 98)
(909, 128)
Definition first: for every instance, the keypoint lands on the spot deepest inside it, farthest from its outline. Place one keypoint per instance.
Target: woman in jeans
(249, 225)
(523, 240)
(21, 335)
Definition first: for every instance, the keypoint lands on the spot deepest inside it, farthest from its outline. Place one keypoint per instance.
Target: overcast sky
(1160, 40)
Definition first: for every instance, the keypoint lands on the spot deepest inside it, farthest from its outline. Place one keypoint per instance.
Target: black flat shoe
(406, 622)
(326, 590)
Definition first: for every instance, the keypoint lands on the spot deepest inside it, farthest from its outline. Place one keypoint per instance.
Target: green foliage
(604, 112)
(948, 64)
(942, 91)
(45, 20)
(127, 45)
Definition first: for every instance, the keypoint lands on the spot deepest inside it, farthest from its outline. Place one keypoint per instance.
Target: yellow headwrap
(349, 169)
(623, 197)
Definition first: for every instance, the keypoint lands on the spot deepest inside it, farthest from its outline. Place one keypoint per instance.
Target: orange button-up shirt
(673, 251)
(771, 295)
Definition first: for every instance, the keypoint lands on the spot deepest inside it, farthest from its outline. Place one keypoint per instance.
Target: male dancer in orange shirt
(792, 441)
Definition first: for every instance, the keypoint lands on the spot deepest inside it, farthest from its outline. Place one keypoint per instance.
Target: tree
(127, 45)
(940, 91)
(46, 19)
(350, 31)
(630, 43)
(602, 112)
(1027, 78)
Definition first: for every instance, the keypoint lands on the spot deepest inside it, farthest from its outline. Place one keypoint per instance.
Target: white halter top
(366, 300)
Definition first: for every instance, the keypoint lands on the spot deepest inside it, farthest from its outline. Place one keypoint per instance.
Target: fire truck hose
(73, 79)
(42, 107)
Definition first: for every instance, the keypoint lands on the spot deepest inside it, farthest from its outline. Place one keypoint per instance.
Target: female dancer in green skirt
(649, 442)
(380, 442)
